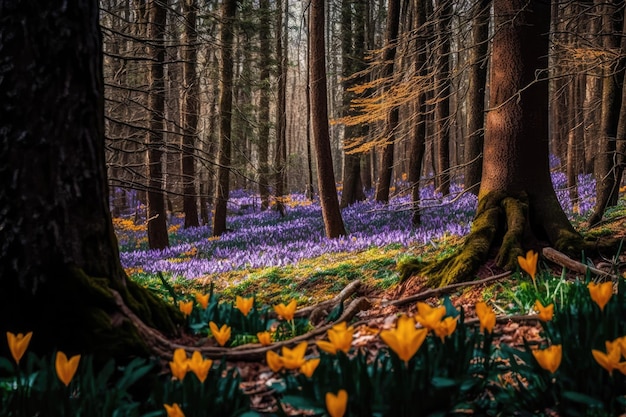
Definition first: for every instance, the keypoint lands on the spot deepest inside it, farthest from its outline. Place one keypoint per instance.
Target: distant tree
(353, 62)
(280, 155)
(607, 183)
(477, 80)
(386, 160)
(190, 112)
(517, 206)
(319, 123)
(157, 225)
(229, 10)
(60, 275)
(265, 63)
(442, 95)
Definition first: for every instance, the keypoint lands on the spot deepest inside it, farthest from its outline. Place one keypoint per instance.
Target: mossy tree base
(82, 314)
(507, 226)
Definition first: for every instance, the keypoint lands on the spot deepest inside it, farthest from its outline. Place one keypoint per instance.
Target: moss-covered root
(463, 264)
(516, 214)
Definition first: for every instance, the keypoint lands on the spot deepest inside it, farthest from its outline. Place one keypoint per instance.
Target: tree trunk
(517, 206)
(418, 140)
(229, 8)
(353, 51)
(386, 160)
(264, 103)
(333, 222)
(61, 277)
(604, 172)
(280, 157)
(190, 113)
(157, 225)
(476, 97)
(442, 91)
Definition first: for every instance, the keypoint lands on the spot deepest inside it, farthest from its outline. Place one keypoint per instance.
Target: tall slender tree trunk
(190, 113)
(333, 222)
(613, 78)
(443, 91)
(229, 9)
(353, 51)
(264, 103)
(280, 157)
(389, 55)
(476, 96)
(418, 140)
(157, 225)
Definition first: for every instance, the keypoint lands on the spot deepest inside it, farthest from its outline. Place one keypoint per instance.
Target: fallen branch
(562, 259)
(444, 290)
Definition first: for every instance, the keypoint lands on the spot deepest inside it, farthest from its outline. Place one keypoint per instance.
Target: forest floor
(312, 283)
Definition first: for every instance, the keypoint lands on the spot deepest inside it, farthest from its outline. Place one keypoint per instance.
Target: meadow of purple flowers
(259, 239)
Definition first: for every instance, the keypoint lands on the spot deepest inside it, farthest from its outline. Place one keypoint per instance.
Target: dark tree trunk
(229, 8)
(353, 51)
(60, 275)
(476, 96)
(386, 160)
(418, 140)
(333, 222)
(157, 225)
(613, 78)
(517, 206)
(264, 103)
(190, 113)
(280, 157)
(442, 91)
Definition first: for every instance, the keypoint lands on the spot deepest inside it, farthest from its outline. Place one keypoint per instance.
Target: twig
(443, 290)
(561, 259)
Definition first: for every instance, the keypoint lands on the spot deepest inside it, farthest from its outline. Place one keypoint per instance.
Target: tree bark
(190, 113)
(229, 9)
(333, 222)
(157, 225)
(60, 271)
(476, 96)
(613, 78)
(442, 91)
(386, 160)
(280, 157)
(517, 206)
(264, 103)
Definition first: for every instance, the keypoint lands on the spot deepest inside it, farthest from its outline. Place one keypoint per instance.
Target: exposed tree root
(510, 224)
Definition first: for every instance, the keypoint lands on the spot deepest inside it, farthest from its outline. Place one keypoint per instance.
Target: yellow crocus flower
(486, 316)
(274, 361)
(173, 410)
(200, 366)
(545, 313)
(601, 293)
(66, 369)
(336, 404)
(18, 344)
(549, 358)
(185, 307)
(405, 339)
(340, 336)
(428, 316)
(179, 364)
(529, 263)
(446, 327)
(265, 338)
(609, 360)
(203, 300)
(244, 304)
(309, 367)
(286, 311)
(222, 334)
(294, 358)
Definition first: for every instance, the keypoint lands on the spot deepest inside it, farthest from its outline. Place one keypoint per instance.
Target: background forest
(407, 83)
